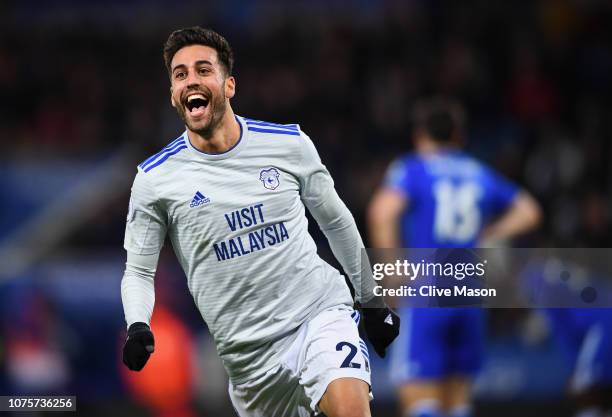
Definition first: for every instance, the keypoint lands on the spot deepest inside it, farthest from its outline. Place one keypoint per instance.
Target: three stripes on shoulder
(159, 158)
(180, 143)
(267, 127)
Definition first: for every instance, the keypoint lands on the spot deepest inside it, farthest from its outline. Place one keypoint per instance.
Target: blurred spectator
(166, 385)
(36, 361)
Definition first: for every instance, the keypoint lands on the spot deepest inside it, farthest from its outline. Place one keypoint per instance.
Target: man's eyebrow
(179, 66)
(200, 62)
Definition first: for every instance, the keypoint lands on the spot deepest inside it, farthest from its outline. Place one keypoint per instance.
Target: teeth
(194, 96)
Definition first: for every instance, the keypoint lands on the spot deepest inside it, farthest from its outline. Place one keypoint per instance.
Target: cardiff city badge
(269, 177)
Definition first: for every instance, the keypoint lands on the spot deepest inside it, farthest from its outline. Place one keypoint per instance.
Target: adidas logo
(198, 200)
(389, 320)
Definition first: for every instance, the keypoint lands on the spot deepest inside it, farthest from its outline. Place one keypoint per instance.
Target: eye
(204, 71)
(179, 75)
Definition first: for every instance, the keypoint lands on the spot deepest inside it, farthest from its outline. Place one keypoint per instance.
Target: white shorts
(326, 348)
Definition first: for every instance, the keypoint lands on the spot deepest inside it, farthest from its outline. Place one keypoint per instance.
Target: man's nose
(192, 79)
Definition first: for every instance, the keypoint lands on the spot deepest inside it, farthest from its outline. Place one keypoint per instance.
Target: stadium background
(85, 98)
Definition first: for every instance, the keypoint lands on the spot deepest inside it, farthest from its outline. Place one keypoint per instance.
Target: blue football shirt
(451, 198)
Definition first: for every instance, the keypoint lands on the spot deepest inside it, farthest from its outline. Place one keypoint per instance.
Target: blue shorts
(435, 343)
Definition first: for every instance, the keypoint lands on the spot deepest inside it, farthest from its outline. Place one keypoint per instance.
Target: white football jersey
(238, 227)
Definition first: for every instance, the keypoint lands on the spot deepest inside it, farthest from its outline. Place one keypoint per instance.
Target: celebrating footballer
(230, 193)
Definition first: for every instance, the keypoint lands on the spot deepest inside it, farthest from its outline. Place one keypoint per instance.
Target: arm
(523, 215)
(384, 213)
(144, 237)
(338, 225)
(383, 218)
(137, 290)
(335, 220)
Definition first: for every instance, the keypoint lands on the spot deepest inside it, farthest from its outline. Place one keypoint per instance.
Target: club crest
(269, 177)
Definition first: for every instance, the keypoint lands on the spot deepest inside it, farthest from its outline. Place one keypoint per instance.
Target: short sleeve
(146, 226)
(398, 177)
(503, 191)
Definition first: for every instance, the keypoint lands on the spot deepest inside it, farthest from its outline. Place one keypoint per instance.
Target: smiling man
(230, 193)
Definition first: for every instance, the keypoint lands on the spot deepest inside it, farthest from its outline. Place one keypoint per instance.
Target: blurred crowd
(84, 80)
(534, 77)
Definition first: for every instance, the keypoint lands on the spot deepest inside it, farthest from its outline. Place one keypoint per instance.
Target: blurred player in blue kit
(581, 332)
(440, 197)
(230, 193)
(584, 336)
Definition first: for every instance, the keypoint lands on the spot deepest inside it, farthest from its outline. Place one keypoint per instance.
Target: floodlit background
(85, 99)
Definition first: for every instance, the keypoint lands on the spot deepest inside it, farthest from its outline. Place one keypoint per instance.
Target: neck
(428, 146)
(221, 139)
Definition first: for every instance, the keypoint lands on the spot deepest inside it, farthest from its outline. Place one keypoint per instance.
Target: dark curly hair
(199, 36)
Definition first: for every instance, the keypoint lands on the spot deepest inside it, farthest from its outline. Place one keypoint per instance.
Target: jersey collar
(233, 151)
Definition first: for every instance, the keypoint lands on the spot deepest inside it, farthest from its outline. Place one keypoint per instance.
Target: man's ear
(230, 87)
(172, 99)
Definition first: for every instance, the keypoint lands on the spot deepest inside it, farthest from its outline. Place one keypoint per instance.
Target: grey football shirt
(238, 227)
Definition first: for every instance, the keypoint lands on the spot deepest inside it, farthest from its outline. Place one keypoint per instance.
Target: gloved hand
(138, 346)
(381, 325)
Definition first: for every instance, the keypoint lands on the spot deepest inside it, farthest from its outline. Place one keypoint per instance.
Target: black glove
(138, 346)
(381, 325)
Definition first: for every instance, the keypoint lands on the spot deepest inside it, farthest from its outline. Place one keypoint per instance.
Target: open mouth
(196, 104)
